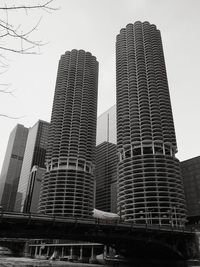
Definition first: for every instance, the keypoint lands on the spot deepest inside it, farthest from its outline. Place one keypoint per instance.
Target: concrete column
(104, 251)
(40, 251)
(47, 251)
(36, 251)
(93, 256)
(30, 250)
(92, 252)
(26, 249)
(81, 252)
(71, 251)
(62, 252)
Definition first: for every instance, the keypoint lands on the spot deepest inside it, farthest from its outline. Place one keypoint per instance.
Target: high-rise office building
(150, 184)
(68, 184)
(106, 177)
(33, 168)
(12, 167)
(106, 126)
(191, 179)
(106, 162)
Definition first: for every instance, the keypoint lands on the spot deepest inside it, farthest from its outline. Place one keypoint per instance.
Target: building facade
(149, 180)
(12, 167)
(106, 177)
(191, 179)
(68, 185)
(106, 126)
(32, 168)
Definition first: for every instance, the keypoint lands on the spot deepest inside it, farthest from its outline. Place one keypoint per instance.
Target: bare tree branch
(10, 117)
(7, 89)
(45, 6)
(14, 39)
(21, 51)
(14, 31)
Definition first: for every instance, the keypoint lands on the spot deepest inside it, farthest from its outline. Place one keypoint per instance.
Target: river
(26, 262)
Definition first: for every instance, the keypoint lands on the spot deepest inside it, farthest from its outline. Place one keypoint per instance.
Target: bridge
(129, 239)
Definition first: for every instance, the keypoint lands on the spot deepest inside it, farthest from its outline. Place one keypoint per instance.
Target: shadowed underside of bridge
(133, 241)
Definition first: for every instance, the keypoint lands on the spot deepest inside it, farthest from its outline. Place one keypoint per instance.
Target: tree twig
(10, 117)
(25, 7)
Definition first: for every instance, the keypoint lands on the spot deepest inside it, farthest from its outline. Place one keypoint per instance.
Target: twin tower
(149, 182)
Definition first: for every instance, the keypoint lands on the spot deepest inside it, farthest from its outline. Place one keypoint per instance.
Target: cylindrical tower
(68, 184)
(150, 187)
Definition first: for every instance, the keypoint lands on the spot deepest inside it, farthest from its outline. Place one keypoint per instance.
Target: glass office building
(12, 166)
(106, 162)
(32, 168)
(106, 177)
(106, 126)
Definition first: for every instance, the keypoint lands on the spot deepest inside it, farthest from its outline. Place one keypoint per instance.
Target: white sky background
(92, 25)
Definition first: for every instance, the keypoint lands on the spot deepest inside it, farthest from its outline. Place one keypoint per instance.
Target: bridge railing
(77, 220)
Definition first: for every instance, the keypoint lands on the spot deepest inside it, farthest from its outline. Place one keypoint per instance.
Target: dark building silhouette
(150, 184)
(191, 179)
(33, 168)
(12, 167)
(106, 177)
(68, 185)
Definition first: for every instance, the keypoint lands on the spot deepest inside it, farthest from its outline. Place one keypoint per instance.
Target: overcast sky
(92, 25)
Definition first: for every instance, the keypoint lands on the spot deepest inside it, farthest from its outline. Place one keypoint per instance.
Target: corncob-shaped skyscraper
(149, 180)
(68, 185)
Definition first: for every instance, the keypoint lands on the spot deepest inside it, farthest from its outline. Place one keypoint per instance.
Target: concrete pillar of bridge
(62, 253)
(81, 252)
(40, 251)
(36, 251)
(105, 252)
(30, 251)
(92, 257)
(92, 252)
(26, 250)
(71, 252)
(48, 251)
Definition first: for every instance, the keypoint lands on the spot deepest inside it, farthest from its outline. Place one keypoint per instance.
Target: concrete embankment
(14, 261)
